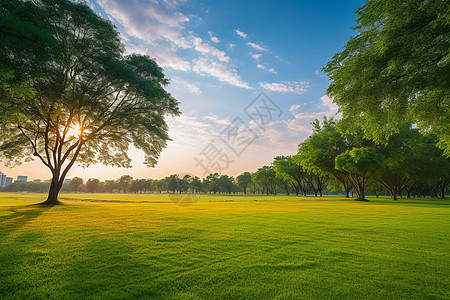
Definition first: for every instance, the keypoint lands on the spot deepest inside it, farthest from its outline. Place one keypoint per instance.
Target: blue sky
(219, 56)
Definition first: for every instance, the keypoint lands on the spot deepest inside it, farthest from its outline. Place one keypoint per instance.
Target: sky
(247, 75)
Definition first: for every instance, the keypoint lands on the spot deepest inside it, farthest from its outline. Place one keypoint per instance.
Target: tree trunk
(52, 198)
(443, 191)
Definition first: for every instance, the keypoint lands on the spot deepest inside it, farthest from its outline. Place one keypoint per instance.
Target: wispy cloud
(180, 84)
(208, 49)
(224, 73)
(287, 134)
(213, 38)
(297, 87)
(255, 56)
(256, 46)
(241, 34)
(260, 66)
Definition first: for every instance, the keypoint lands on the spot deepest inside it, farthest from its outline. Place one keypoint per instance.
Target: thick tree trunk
(443, 191)
(52, 198)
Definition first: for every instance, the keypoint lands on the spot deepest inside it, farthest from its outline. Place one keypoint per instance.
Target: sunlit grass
(106, 246)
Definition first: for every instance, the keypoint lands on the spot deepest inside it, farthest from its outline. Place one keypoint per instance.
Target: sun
(74, 130)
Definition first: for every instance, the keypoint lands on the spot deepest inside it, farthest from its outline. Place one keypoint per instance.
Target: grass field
(120, 246)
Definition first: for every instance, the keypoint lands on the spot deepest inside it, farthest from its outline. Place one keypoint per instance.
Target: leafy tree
(124, 182)
(92, 185)
(75, 183)
(318, 152)
(172, 183)
(244, 181)
(88, 102)
(265, 177)
(211, 181)
(226, 183)
(287, 169)
(359, 163)
(395, 69)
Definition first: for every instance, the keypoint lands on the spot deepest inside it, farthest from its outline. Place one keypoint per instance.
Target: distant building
(22, 178)
(2, 179)
(67, 180)
(8, 180)
(37, 180)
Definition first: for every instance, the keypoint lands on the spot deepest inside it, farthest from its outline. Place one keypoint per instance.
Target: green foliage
(85, 101)
(265, 178)
(244, 181)
(358, 163)
(395, 70)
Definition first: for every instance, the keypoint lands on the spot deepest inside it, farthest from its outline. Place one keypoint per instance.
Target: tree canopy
(358, 163)
(86, 101)
(395, 69)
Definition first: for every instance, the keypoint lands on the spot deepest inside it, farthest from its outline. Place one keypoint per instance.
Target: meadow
(122, 246)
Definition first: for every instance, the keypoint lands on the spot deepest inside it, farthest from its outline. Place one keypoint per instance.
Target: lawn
(122, 246)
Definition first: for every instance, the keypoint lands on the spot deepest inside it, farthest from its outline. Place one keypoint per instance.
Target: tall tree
(395, 68)
(287, 169)
(265, 177)
(87, 102)
(244, 181)
(359, 163)
(318, 152)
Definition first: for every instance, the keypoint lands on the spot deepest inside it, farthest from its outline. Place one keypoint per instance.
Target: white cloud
(297, 87)
(287, 134)
(165, 55)
(256, 46)
(156, 27)
(240, 33)
(255, 56)
(231, 46)
(214, 39)
(180, 84)
(208, 66)
(208, 49)
(272, 70)
(294, 107)
(150, 22)
(260, 66)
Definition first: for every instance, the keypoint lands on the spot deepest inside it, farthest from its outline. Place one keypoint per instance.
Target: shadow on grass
(19, 216)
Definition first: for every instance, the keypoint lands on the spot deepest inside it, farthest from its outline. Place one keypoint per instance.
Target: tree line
(409, 164)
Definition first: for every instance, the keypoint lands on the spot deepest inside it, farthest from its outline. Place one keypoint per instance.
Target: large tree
(244, 181)
(318, 152)
(288, 170)
(85, 101)
(359, 164)
(395, 68)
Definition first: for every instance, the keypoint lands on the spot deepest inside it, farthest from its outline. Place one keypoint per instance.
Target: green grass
(250, 247)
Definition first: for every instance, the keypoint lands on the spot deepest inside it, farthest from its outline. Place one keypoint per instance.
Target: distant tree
(85, 101)
(287, 169)
(75, 183)
(226, 183)
(359, 163)
(196, 185)
(265, 177)
(395, 69)
(244, 181)
(92, 185)
(211, 181)
(172, 183)
(160, 185)
(317, 153)
(124, 183)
